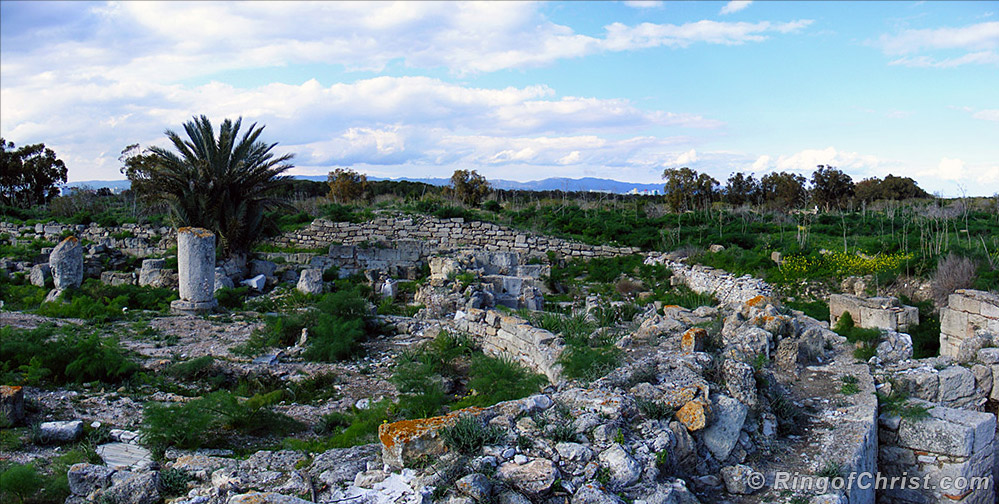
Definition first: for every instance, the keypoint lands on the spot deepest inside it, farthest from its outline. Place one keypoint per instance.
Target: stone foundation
(512, 337)
(725, 286)
(873, 313)
(969, 321)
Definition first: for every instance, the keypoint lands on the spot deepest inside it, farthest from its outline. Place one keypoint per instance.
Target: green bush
(98, 302)
(210, 421)
(232, 298)
(59, 356)
(359, 426)
(19, 294)
(21, 481)
(173, 482)
(818, 310)
(584, 362)
(495, 380)
(467, 436)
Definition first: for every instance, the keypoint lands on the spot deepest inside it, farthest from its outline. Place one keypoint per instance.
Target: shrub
(61, 356)
(232, 298)
(467, 436)
(495, 380)
(354, 428)
(98, 302)
(173, 482)
(654, 410)
(818, 310)
(21, 481)
(587, 363)
(953, 273)
(209, 420)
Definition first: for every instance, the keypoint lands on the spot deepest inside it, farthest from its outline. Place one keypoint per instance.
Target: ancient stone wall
(512, 337)
(949, 443)
(441, 234)
(131, 239)
(873, 313)
(969, 321)
(725, 286)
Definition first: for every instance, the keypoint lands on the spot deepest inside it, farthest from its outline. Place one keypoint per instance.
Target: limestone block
(407, 440)
(877, 318)
(11, 404)
(693, 340)
(948, 431)
(964, 303)
(728, 416)
(954, 323)
(956, 382)
(66, 261)
(533, 478)
(40, 274)
(61, 431)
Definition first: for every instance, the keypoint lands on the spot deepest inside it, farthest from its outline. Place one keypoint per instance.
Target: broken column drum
(196, 269)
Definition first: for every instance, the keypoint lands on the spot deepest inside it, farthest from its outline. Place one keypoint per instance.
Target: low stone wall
(131, 239)
(873, 313)
(441, 234)
(949, 443)
(512, 337)
(970, 320)
(725, 286)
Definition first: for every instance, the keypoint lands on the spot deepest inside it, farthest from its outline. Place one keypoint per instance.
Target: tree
(685, 189)
(783, 190)
(222, 184)
(30, 175)
(469, 187)
(831, 187)
(346, 185)
(891, 188)
(137, 163)
(742, 190)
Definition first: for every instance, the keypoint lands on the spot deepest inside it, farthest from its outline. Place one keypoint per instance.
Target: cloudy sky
(521, 91)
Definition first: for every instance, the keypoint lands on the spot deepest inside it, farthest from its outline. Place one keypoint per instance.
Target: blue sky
(520, 90)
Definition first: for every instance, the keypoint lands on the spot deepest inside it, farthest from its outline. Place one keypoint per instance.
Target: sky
(521, 90)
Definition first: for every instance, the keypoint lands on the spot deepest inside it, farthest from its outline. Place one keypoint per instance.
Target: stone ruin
(873, 313)
(196, 269)
(968, 322)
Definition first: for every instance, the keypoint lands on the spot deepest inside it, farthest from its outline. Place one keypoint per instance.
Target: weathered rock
(11, 405)
(532, 478)
(40, 274)
(153, 273)
(85, 478)
(948, 431)
(61, 431)
(474, 485)
(624, 470)
(256, 283)
(334, 467)
(896, 347)
(222, 281)
(693, 340)
(728, 416)
(694, 415)
(261, 267)
(134, 488)
(409, 439)
(66, 261)
(265, 498)
(590, 493)
(737, 479)
(310, 281)
(740, 381)
(125, 456)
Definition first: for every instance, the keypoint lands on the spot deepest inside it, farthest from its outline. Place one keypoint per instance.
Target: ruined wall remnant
(948, 443)
(512, 337)
(442, 234)
(970, 319)
(725, 286)
(873, 313)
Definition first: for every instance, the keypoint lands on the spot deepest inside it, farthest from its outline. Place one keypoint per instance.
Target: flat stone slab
(124, 456)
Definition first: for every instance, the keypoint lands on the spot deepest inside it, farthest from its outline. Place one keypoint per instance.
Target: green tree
(346, 185)
(223, 184)
(469, 187)
(686, 189)
(783, 190)
(29, 175)
(891, 188)
(831, 188)
(742, 190)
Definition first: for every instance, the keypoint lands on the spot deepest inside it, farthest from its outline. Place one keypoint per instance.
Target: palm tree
(223, 184)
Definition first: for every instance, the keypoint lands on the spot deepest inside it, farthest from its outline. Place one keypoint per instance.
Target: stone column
(196, 268)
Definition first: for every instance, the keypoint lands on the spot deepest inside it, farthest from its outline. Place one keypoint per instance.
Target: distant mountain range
(548, 184)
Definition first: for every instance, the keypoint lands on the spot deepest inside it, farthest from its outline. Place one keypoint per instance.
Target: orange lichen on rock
(200, 232)
(693, 340)
(400, 439)
(758, 301)
(694, 415)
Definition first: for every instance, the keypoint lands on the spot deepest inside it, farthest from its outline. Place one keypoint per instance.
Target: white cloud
(621, 37)
(683, 159)
(972, 44)
(735, 6)
(948, 169)
(644, 4)
(987, 115)
(805, 161)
